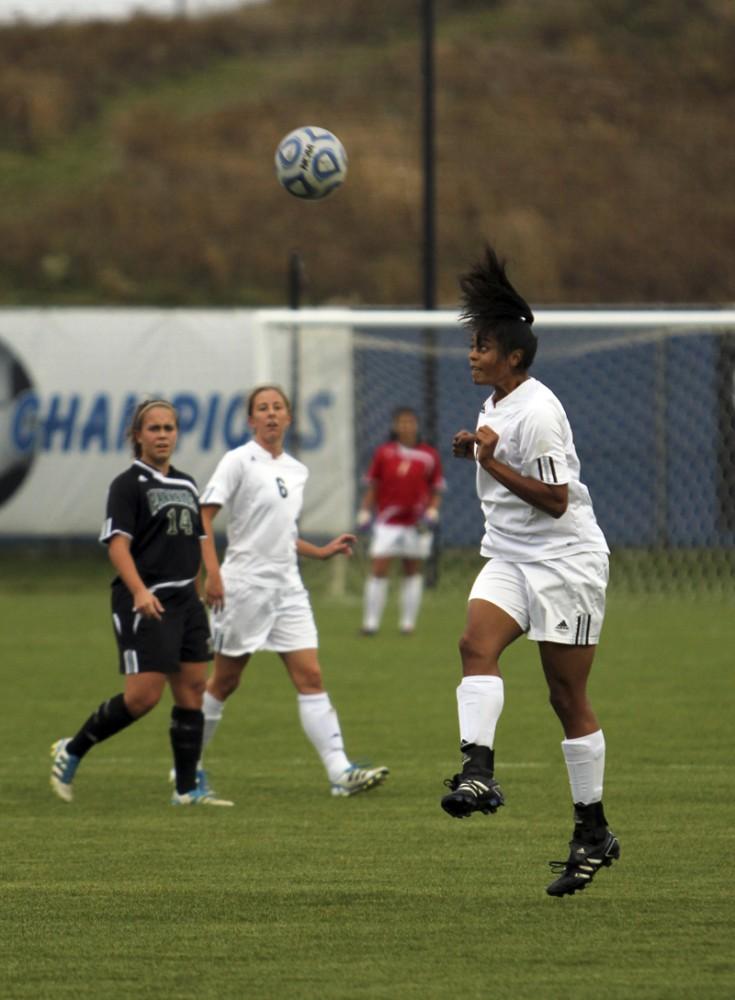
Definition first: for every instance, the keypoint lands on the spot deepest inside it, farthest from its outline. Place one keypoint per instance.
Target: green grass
(293, 893)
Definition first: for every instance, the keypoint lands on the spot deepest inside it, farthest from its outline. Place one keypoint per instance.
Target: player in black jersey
(153, 532)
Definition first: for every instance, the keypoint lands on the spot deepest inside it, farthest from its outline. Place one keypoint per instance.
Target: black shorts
(147, 645)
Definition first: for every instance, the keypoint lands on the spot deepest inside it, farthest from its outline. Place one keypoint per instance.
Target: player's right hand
(463, 444)
(146, 603)
(364, 519)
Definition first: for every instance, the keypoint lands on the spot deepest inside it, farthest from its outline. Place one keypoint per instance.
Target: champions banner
(70, 379)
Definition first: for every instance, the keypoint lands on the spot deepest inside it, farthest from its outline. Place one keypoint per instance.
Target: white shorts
(403, 540)
(258, 618)
(562, 600)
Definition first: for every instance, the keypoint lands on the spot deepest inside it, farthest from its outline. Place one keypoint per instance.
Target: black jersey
(160, 514)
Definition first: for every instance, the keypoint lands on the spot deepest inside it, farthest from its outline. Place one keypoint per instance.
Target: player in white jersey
(546, 575)
(258, 598)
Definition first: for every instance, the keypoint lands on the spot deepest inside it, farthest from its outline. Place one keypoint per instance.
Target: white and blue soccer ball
(310, 162)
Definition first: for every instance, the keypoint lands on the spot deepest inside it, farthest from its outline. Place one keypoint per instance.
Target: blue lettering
(58, 423)
(314, 437)
(187, 407)
(62, 422)
(126, 419)
(96, 425)
(209, 422)
(233, 437)
(24, 427)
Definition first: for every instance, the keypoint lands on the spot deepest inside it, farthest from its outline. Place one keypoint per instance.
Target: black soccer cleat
(584, 862)
(472, 793)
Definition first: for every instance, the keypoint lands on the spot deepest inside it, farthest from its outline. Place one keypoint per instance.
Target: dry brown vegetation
(591, 139)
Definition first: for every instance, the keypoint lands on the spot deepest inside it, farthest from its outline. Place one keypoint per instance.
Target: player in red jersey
(402, 500)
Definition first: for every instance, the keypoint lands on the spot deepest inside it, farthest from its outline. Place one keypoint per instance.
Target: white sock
(479, 702)
(213, 709)
(374, 598)
(412, 588)
(585, 759)
(321, 725)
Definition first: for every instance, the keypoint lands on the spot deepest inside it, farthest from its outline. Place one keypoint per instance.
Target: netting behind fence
(651, 399)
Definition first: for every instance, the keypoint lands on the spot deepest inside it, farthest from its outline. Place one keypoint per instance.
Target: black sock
(590, 825)
(477, 760)
(111, 717)
(187, 729)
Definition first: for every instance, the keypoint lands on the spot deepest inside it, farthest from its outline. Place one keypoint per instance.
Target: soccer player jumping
(546, 575)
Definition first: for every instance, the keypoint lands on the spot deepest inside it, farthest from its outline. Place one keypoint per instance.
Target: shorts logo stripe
(130, 662)
(582, 634)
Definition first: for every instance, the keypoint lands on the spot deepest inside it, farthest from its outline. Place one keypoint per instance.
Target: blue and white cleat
(202, 780)
(63, 770)
(198, 797)
(359, 779)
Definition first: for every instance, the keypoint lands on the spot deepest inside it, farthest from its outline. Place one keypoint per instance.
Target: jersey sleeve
(122, 509)
(542, 442)
(374, 470)
(224, 482)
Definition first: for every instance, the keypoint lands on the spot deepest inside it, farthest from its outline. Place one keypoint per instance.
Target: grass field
(296, 894)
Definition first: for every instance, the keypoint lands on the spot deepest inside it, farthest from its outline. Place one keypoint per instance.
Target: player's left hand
(214, 591)
(487, 441)
(341, 545)
(430, 519)
(463, 444)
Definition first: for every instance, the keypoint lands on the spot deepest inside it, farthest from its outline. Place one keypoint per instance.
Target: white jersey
(535, 439)
(264, 495)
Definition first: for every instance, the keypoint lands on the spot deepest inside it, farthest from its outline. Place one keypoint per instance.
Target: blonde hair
(136, 422)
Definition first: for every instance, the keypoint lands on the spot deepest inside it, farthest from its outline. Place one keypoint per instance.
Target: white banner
(69, 379)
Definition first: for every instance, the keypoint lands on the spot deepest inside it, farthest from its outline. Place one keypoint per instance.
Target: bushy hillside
(591, 139)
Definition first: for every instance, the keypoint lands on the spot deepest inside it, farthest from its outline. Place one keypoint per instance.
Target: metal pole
(427, 145)
(295, 290)
(295, 279)
(431, 414)
(429, 210)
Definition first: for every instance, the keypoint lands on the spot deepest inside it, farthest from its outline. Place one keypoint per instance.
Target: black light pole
(431, 416)
(295, 294)
(428, 211)
(427, 148)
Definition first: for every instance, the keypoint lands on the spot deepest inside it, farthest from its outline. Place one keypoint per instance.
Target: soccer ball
(310, 162)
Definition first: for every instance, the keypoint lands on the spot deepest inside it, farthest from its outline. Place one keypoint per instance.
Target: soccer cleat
(63, 770)
(584, 862)
(359, 779)
(472, 793)
(198, 797)
(202, 779)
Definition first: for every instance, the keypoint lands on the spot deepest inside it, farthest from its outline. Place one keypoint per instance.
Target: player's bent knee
(141, 703)
(223, 687)
(568, 707)
(309, 682)
(469, 649)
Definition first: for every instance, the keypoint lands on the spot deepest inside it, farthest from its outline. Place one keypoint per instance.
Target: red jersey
(404, 480)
